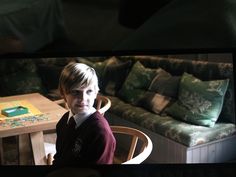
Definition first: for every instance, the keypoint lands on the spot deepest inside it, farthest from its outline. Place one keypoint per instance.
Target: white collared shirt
(81, 117)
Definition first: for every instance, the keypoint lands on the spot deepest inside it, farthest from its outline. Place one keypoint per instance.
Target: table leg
(37, 143)
(25, 152)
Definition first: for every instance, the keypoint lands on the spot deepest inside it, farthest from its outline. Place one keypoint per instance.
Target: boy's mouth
(81, 105)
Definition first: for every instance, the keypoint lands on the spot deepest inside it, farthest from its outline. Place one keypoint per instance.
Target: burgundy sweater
(91, 143)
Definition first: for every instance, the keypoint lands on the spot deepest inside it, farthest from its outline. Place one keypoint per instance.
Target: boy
(83, 134)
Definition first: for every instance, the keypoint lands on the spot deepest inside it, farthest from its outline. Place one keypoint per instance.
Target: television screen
(183, 101)
(167, 68)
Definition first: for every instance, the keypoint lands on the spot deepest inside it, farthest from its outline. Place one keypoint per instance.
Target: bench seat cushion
(184, 133)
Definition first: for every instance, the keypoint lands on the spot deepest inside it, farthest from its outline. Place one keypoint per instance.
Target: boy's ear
(63, 96)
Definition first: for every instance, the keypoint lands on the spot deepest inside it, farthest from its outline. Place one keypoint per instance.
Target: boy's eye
(89, 91)
(80, 92)
(74, 92)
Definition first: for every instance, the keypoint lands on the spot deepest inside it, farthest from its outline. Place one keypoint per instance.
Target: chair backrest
(102, 104)
(137, 135)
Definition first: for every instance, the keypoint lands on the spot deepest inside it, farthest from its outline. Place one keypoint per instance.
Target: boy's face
(81, 100)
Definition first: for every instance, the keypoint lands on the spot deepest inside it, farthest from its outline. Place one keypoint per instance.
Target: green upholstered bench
(175, 140)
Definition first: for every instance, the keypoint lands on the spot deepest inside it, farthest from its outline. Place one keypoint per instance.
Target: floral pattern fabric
(203, 70)
(199, 102)
(177, 130)
(137, 83)
(19, 76)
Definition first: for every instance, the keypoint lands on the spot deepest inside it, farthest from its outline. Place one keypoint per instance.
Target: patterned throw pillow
(161, 92)
(111, 73)
(114, 76)
(99, 67)
(136, 83)
(166, 84)
(199, 102)
(154, 102)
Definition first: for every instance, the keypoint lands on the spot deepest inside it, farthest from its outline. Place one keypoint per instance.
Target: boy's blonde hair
(77, 75)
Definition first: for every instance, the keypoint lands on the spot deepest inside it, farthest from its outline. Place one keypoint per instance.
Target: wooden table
(32, 134)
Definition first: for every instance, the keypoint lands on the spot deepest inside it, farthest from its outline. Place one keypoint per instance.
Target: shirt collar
(81, 117)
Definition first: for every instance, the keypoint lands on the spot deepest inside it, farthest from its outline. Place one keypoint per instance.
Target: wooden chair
(102, 104)
(136, 136)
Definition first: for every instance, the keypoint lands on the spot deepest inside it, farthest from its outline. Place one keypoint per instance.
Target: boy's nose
(81, 95)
